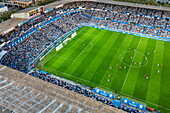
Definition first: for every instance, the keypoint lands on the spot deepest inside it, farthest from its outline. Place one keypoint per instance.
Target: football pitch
(93, 54)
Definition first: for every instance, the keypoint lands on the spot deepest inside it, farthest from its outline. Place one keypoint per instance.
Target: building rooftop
(9, 24)
(23, 93)
(12, 22)
(28, 9)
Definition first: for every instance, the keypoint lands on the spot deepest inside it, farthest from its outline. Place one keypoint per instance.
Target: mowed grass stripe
(115, 60)
(75, 51)
(155, 77)
(111, 39)
(142, 83)
(74, 40)
(50, 59)
(92, 65)
(165, 79)
(71, 53)
(72, 68)
(121, 74)
(153, 91)
(133, 74)
(91, 55)
(97, 77)
(102, 68)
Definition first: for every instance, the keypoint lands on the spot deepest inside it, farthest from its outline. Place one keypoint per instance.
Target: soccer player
(140, 63)
(157, 65)
(110, 67)
(131, 57)
(158, 71)
(146, 77)
(148, 53)
(145, 58)
(124, 67)
(154, 51)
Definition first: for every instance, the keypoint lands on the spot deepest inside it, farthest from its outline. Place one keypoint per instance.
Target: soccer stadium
(84, 57)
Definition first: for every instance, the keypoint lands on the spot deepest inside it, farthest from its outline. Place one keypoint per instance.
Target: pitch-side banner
(59, 47)
(103, 93)
(134, 104)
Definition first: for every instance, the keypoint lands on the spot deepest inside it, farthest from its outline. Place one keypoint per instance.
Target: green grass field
(88, 57)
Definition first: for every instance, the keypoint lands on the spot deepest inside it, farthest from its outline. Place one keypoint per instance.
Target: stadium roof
(52, 5)
(12, 22)
(9, 24)
(23, 93)
(129, 4)
(27, 9)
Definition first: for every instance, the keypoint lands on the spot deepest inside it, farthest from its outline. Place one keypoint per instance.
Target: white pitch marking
(84, 49)
(130, 66)
(109, 89)
(64, 57)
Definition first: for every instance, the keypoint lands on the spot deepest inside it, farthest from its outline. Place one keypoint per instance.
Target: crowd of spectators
(123, 18)
(80, 90)
(106, 10)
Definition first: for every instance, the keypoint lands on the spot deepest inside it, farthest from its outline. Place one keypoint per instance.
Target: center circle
(129, 58)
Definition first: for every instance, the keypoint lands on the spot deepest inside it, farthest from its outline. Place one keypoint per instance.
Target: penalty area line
(64, 58)
(85, 48)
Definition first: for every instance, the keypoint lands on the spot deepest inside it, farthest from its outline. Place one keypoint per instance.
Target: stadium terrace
(34, 43)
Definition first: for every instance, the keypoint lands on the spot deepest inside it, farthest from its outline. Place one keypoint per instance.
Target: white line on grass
(82, 30)
(130, 66)
(142, 101)
(78, 39)
(84, 48)
(89, 48)
(133, 66)
(73, 44)
(56, 52)
(49, 59)
(64, 57)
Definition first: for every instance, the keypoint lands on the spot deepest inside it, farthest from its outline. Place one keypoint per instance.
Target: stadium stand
(20, 93)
